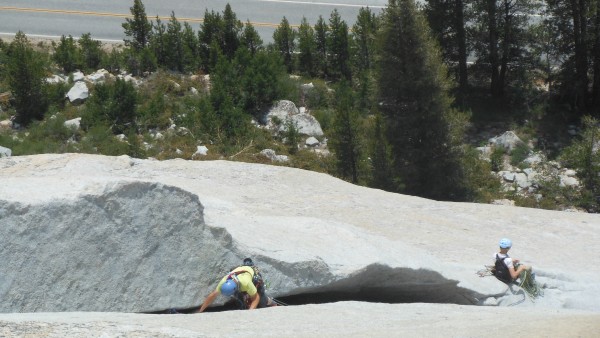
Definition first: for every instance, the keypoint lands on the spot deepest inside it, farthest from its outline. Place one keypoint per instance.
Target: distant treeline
(405, 83)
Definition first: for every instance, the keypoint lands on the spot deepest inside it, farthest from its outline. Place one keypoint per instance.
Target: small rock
(74, 123)
(508, 176)
(270, 154)
(55, 79)
(567, 181)
(312, 141)
(201, 151)
(504, 202)
(490, 301)
(307, 86)
(6, 124)
(78, 76)
(5, 152)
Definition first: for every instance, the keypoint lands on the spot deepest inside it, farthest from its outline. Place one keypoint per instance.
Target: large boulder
(508, 141)
(99, 76)
(284, 112)
(78, 93)
(5, 152)
(6, 124)
(95, 233)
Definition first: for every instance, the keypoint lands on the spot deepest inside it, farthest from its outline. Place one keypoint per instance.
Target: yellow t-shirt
(245, 279)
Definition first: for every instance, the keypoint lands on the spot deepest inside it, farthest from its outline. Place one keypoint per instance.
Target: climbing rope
(526, 282)
(531, 287)
(487, 271)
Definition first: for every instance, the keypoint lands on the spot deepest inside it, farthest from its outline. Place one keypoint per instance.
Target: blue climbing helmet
(228, 288)
(505, 243)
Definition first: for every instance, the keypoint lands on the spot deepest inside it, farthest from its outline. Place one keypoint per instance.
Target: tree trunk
(493, 47)
(581, 66)
(596, 61)
(461, 39)
(505, 47)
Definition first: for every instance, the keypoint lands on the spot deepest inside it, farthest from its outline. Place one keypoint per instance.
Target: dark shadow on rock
(379, 284)
(382, 284)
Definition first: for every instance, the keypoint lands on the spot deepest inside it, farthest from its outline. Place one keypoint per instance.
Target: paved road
(103, 19)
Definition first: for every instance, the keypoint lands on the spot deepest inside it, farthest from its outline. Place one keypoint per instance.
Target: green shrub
(112, 104)
(325, 118)
(309, 160)
(483, 186)
(91, 52)
(318, 97)
(25, 73)
(584, 156)
(67, 55)
(48, 136)
(291, 136)
(113, 61)
(497, 159)
(56, 94)
(519, 154)
(100, 140)
(7, 141)
(154, 113)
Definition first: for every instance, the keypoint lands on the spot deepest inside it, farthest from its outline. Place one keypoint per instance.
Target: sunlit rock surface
(96, 233)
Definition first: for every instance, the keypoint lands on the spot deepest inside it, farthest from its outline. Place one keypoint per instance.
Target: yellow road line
(114, 15)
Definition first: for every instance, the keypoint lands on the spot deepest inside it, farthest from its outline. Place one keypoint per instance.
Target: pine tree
(158, 42)
(66, 54)
(501, 33)
(232, 122)
(114, 105)
(261, 80)
(347, 141)
(91, 51)
(284, 39)
(25, 74)
(174, 45)
(306, 49)
(413, 91)
(232, 28)
(338, 48)
(381, 173)
(138, 28)
(190, 48)
(210, 38)
(363, 54)
(250, 39)
(363, 39)
(575, 43)
(448, 24)
(321, 33)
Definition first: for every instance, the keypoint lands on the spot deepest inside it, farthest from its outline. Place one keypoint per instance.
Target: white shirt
(507, 260)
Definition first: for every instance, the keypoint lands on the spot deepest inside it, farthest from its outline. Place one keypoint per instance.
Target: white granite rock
(94, 233)
(78, 93)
